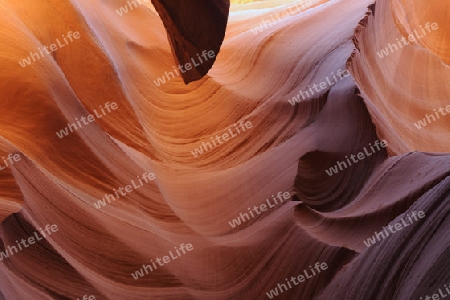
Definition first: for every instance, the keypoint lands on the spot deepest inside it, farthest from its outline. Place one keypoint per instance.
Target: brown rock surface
(271, 53)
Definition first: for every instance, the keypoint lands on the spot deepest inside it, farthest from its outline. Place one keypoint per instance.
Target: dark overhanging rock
(193, 27)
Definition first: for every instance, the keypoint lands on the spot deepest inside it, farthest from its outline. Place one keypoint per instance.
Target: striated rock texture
(300, 88)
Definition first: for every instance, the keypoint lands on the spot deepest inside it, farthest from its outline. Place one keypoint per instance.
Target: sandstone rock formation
(268, 55)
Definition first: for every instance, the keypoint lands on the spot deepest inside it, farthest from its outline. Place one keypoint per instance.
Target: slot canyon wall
(216, 149)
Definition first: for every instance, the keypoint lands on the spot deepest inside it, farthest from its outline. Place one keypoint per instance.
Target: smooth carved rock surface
(272, 52)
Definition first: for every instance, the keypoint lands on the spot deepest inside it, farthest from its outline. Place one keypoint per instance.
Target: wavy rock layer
(272, 51)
